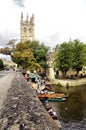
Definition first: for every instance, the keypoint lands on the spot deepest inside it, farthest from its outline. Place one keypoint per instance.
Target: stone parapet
(22, 109)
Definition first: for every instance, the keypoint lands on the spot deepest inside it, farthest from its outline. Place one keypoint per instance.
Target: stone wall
(22, 109)
(71, 82)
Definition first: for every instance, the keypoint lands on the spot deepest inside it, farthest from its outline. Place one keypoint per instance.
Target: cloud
(7, 57)
(6, 37)
(51, 40)
(19, 3)
(55, 21)
(1, 46)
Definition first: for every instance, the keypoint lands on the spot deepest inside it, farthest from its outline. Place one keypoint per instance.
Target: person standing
(38, 83)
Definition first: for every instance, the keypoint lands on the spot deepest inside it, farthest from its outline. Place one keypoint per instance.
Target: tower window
(30, 30)
(25, 30)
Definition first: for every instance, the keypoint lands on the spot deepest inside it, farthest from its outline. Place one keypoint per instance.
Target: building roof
(32, 75)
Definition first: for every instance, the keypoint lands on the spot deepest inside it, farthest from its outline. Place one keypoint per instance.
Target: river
(72, 112)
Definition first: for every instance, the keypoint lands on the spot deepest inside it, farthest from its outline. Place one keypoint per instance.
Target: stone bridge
(20, 108)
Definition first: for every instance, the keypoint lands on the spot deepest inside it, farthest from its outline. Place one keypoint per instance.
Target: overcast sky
(56, 21)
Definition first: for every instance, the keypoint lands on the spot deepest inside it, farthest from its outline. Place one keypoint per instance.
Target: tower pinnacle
(27, 17)
(27, 28)
(21, 16)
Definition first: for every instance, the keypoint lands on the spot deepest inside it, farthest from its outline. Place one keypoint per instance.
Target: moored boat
(53, 114)
(54, 99)
(58, 123)
(62, 94)
(51, 95)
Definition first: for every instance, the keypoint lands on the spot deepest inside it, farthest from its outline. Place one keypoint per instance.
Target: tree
(70, 55)
(78, 55)
(33, 45)
(41, 55)
(1, 64)
(39, 52)
(6, 51)
(84, 53)
(63, 57)
(24, 57)
(29, 54)
(9, 49)
(12, 43)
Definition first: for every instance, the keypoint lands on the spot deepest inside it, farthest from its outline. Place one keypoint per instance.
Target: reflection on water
(72, 113)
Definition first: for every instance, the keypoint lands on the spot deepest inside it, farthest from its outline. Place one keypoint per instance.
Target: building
(27, 28)
(9, 63)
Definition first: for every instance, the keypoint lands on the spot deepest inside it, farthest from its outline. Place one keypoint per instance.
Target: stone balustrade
(22, 109)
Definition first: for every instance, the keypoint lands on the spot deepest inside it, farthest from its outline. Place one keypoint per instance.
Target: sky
(56, 21)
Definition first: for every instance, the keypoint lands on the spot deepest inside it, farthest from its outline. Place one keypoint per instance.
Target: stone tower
(27, 29)
(50, 70)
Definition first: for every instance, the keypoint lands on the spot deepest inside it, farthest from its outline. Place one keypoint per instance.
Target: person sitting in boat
(46, 100)
(54, 116)
(37, 91)
(50, 110)
(42, 82)
(48, 107)
(54, 113)
(45, 91)
(41, 92)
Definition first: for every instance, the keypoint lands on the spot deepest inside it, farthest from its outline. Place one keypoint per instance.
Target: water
(72, 112)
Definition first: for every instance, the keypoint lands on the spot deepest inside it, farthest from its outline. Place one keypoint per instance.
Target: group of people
(50, 111)
(39, 82)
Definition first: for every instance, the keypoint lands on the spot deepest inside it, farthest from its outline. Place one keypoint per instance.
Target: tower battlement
(27, 28)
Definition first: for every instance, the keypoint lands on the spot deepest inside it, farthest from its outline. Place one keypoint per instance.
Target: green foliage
(78, 55)
(84, 54)
(30, 55)
(1, 64)
(59, 84)
(41, 57)
(39, 52)
(63, 57)
(70, 55)
(33, 45)
(23, 56)
(11, 43)
(6, 51)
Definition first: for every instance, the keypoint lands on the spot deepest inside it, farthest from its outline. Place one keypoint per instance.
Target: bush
(1, 65)
(59, 84)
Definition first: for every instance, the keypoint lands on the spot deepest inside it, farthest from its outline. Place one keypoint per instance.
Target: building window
(24, 30)
(30, 30)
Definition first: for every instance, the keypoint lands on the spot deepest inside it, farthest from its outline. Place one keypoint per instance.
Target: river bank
(69, 82)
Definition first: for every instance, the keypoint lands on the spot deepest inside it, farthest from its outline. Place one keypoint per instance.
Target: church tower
(27, 29)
